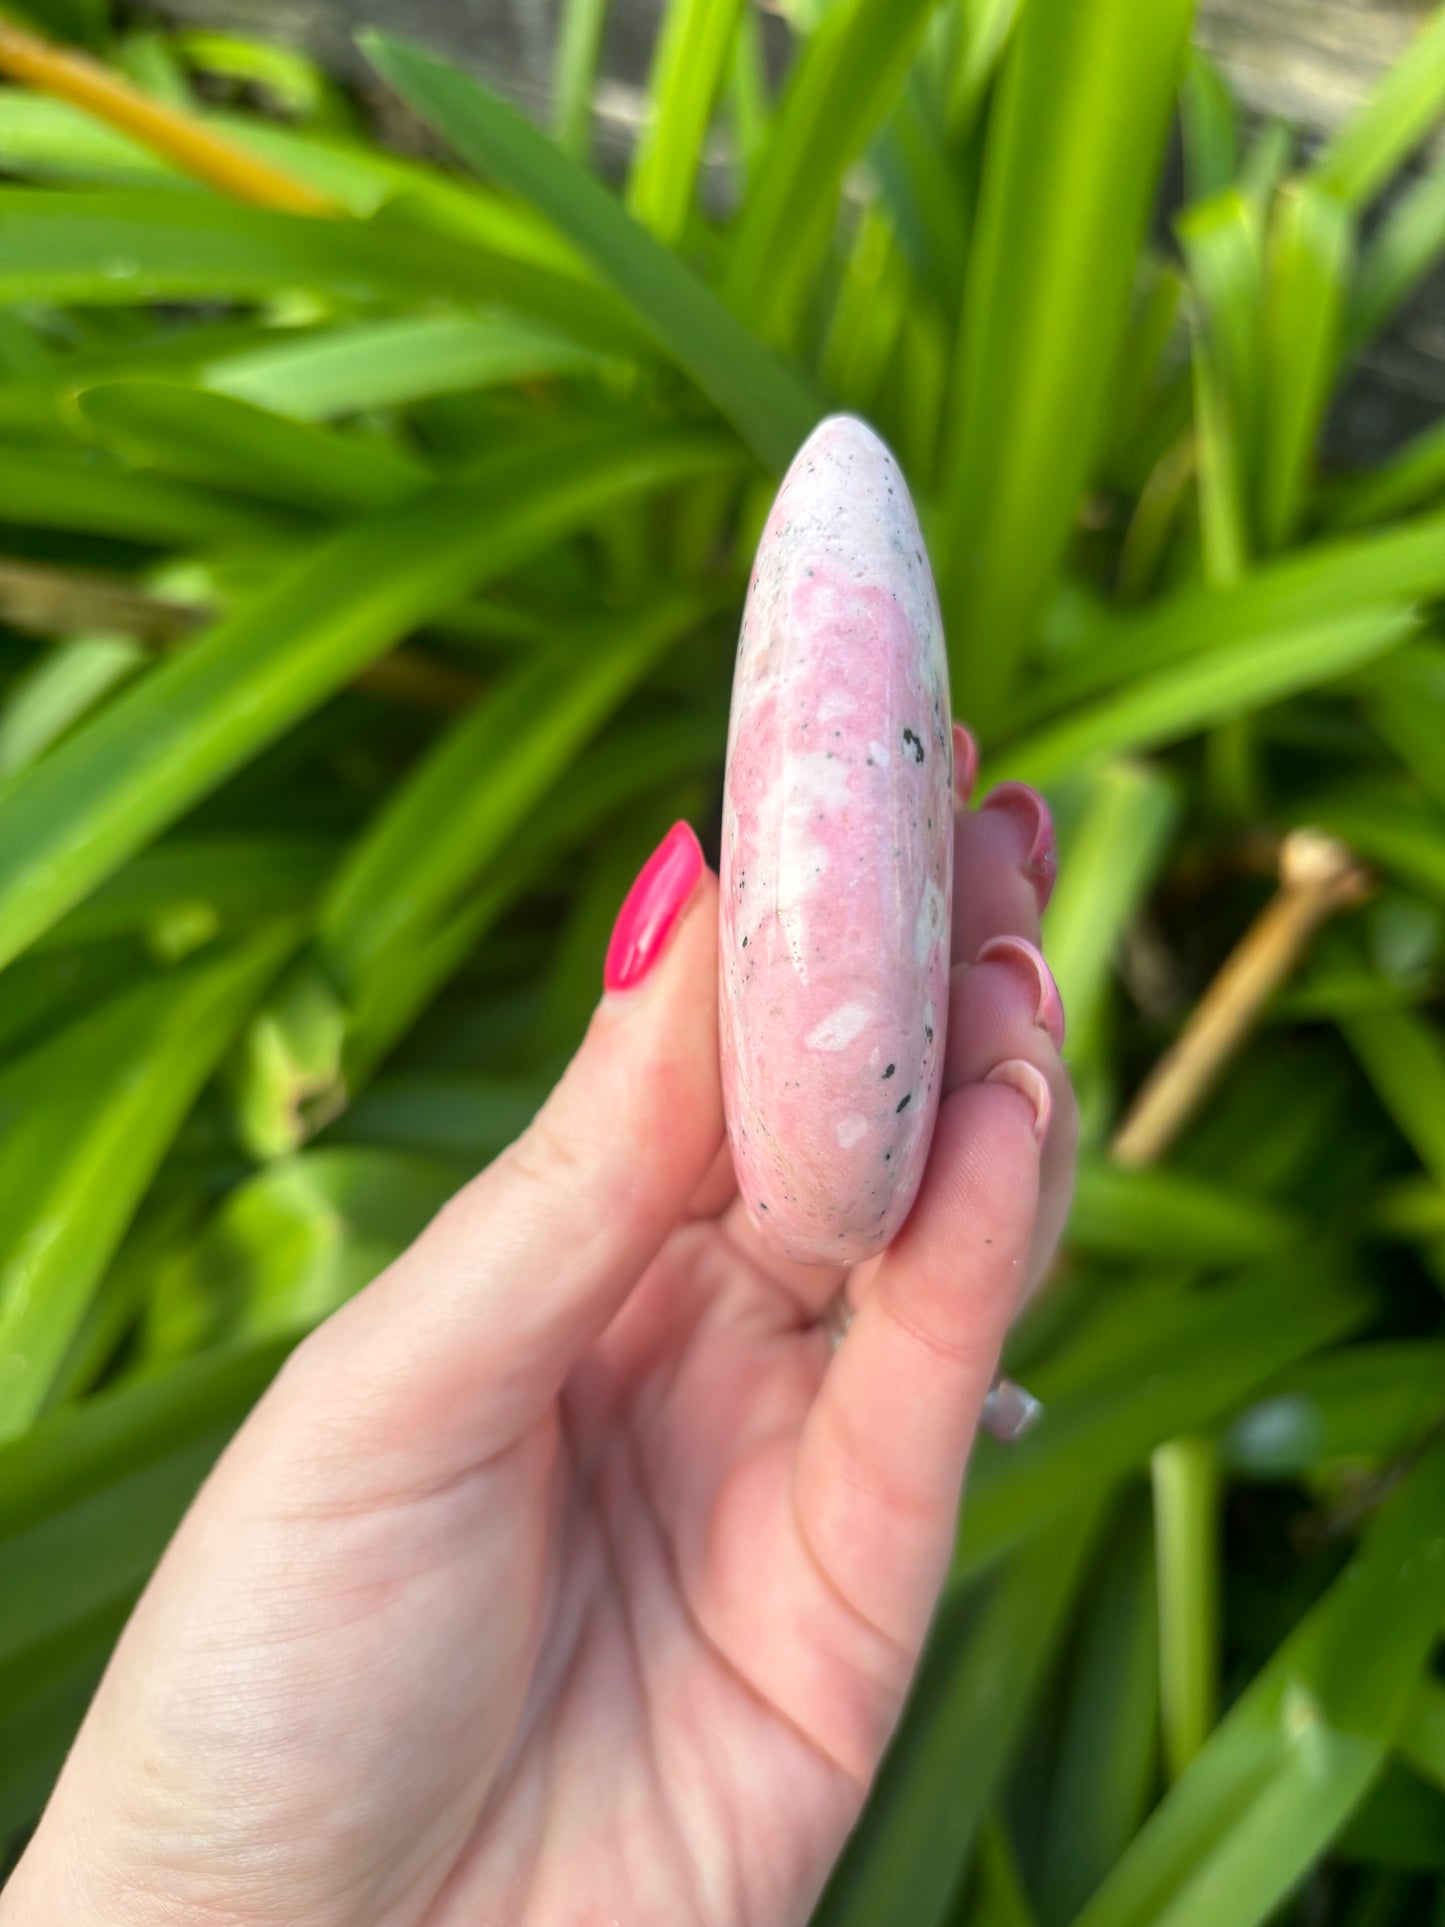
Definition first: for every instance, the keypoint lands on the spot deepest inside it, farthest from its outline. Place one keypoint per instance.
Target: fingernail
(651, 908)
(965, 762)
(1027, 957)
(1040, 861)
(1009, 1411)
(1030, 1083)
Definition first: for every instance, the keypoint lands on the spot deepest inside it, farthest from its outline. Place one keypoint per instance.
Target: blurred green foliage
(369, 586)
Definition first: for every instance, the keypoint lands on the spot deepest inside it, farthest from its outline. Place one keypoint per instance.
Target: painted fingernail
(965, 763)
(651, 908)
(1009, 1411)
(1030, 1083)
(1028, 958)
(1040, 861)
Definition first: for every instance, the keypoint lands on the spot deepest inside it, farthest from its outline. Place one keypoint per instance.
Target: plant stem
(1186, 1481)
(165, 130)
(1318, 876)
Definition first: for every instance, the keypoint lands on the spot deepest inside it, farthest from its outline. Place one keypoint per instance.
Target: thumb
(459, 1346)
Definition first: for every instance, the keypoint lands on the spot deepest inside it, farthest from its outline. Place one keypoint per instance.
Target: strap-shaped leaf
(764, 399)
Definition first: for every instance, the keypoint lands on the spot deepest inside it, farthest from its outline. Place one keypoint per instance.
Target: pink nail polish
(1040, 861)
(1030, 1083)
(1027, 957)
(651, 908)
(965, 762)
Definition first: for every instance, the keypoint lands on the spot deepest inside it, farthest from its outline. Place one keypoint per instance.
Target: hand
(565, 1575)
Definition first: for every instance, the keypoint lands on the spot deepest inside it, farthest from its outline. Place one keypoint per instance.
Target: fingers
(881, 1459)
(463, 1342)
(1006, 1005)
(1004, 862)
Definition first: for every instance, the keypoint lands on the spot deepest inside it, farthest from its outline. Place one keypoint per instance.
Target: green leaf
(101, 1104)
(1422, 1735)
(1105, 1756)
(574, 73)
(1223, 247)
(764, 399)
(628, 766)
(1321, 583)
(466, 1116)
(693, 47)
(985, 26)
(868, 313)
(907, 1854)
(1310, 248)
(460, 806)
(69, 821)
(1402, 251)
(1113, 855)
(1301, 1748)
(62, 687)
(156, 245)
(86, 22)
(388, 364)
(291, 1244)
(45, 490)
(225, 882)
(1359, 160)
(51, 140)
(999, 1899)
(224, 443)
(1210, 129)
(1068, 183)
(845, 79)
(1189, 1358)
(1362, 1403)
(1404, 1058)
(1186, 1484)
(1160, 1214)
(1413, 478)
(1233, 679)
(1404, 695)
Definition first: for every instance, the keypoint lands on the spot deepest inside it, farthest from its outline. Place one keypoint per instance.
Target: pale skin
(565, 1575)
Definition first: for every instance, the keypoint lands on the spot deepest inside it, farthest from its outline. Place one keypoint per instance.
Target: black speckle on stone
(911, 741)
(890, 1070)
(761, 1205)
(887, 1157)
(745, 943)
(869, 761)
(928, 1033)
(903, 1103)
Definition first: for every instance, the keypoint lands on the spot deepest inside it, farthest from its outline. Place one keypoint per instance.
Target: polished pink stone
(837, 858)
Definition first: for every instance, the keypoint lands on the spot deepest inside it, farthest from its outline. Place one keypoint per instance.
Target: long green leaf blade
(71, 819)
(1368, 149)
(462, 804)
(1069, 177)
(693, 49)
(100, 1107)
(1302, 1747)
(846, 78)
(765, 400)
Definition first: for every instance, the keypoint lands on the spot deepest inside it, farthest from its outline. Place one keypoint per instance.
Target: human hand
(565, 1574)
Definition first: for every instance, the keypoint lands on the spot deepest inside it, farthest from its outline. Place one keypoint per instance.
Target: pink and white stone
(837, 858)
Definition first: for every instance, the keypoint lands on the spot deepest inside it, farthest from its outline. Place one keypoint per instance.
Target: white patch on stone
(852, 1130)
(879, 754)
(932, 921)
(839, 1027)
(836, 703)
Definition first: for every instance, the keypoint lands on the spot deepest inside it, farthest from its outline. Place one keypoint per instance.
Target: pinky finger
(883, 1451)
